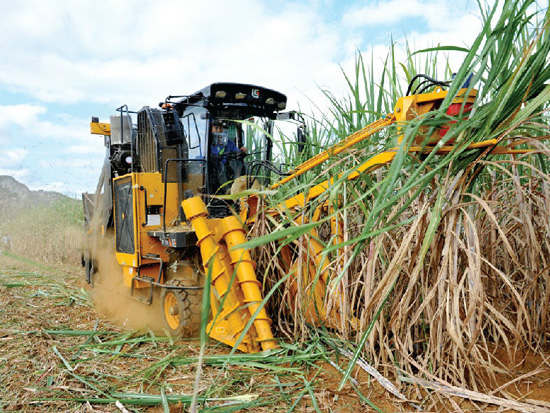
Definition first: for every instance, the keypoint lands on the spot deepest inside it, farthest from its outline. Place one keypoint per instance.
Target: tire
(181, 310)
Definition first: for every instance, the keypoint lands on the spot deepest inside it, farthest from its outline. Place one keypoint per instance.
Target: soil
(59, 353)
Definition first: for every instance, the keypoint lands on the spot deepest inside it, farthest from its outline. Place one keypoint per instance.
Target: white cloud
(13, 157)
(65, 162)
(60, 187)
(28, 119)
(21, 115)
(63, 54)
(431, 29)
(95, 146)
(19, 174)
(139, 53)
(39, 147)
(385, 12)
(439, 15)
(73, 190)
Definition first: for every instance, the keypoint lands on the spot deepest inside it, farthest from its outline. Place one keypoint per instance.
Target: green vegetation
(442, 258)
(51, 234)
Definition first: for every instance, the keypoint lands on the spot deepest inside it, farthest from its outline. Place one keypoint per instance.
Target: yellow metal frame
(97, 128)
(144, 244)
(341, 146)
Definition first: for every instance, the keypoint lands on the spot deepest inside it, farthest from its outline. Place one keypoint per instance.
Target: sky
(66, 61)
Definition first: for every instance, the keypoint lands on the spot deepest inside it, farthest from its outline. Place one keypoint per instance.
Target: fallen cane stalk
(473, 395)
(384, 382)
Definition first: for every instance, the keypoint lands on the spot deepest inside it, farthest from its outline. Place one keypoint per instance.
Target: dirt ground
(59, 353)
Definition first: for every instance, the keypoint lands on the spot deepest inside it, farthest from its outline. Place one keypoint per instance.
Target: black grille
(147, 145)
(124, 216)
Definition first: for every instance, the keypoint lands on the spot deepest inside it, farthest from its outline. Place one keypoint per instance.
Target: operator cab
(202, 144)
(227, 129)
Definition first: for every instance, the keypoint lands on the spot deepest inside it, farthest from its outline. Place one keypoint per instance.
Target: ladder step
(150, 256)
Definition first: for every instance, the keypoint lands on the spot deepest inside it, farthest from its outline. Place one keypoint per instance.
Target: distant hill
(15, 196)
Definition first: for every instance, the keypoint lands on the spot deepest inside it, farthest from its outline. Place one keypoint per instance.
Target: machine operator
(228, 157)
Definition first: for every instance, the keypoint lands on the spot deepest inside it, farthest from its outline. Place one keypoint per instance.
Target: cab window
(195, 126)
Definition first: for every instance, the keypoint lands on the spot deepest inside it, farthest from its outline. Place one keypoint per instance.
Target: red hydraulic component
(454, 109)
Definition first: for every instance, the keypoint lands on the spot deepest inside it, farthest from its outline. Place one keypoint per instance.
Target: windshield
(268, 140)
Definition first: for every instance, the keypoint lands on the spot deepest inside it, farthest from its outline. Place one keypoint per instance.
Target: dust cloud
(112, 298)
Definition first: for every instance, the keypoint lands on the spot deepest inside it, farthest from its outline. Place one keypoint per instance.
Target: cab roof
(220, 97)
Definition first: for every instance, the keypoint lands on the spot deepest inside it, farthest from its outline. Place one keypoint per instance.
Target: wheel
(181, 310)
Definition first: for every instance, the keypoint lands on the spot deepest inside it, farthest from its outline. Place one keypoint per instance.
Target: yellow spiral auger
(235, 294)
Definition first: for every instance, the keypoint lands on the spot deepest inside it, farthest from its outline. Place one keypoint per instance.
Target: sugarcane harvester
(158, 196)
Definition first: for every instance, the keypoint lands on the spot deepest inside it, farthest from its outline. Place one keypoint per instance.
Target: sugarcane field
(211, 242)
